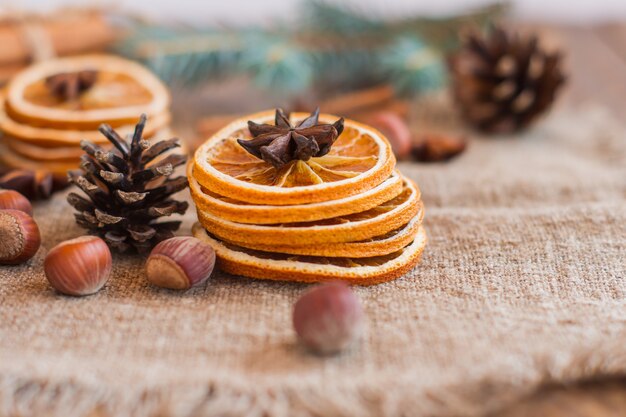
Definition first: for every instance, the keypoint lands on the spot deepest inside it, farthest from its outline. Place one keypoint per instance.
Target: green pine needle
(322, 16)
(413, 67)
(277, 63)
(184, 58)
(332, 49)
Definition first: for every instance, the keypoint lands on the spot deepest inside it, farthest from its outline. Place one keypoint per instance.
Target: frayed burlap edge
(224, 396)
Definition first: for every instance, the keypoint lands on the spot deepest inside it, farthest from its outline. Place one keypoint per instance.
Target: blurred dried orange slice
(276, 266)
(359, 226)
(38, 153)
(67, 153)
(360, 159)
(122, 91)
(52, 137)
(12, 159)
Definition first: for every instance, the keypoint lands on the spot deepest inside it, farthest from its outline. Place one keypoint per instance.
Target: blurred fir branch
(183, 57)
(276, 61)
(333, 48)
(322, 16)
(339, 70)
(441, 32)
(412, 66)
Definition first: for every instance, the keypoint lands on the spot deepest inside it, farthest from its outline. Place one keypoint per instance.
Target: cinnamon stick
(358, 105)
(211, 124)
(69, 33)
(359, 100)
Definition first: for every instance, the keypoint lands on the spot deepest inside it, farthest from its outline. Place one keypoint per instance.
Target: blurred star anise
(436, 147)
(282, 143)
(69, 85)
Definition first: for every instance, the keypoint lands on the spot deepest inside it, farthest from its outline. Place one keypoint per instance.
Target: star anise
(282, 143)
(435, 147)
(69, 85)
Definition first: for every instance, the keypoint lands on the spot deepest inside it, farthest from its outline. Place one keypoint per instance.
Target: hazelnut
(180, 263)
(396, 129)
(10, 199)
(79, 266)
(19, 235)
(328, 318)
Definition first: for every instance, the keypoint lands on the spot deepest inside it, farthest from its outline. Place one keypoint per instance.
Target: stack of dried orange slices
(47, 109)
(275, 205)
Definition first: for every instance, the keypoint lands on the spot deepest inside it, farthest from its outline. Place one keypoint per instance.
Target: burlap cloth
(523, 281)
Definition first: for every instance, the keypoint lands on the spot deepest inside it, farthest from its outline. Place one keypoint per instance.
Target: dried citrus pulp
(306, 198)
(47, 109)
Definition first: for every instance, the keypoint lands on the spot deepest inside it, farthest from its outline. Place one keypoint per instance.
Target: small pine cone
(128, 189)
(502, 82)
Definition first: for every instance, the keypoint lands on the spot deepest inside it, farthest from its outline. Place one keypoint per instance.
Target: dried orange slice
(237, 260)
(379, 220)
(13, 160)
(360, 159)
(241, 212)
(49, 137)
(58, 153)
(380, 245)
(58, 160)
(123, 90)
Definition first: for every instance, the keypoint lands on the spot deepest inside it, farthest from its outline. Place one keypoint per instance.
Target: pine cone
(128, 190)
(502, 82)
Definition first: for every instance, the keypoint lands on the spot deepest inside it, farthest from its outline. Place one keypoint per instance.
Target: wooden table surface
(595, 61)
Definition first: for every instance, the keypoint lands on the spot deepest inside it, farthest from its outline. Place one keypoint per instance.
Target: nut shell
(79, 266)
(395, 129)
(328, 318)
(12, 200)
(19, 235)
(180, 263)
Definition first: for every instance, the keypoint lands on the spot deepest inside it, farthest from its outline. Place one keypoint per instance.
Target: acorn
(10, 199)
(19, 235)
(79, 266)
(328, 318)
(180, 263)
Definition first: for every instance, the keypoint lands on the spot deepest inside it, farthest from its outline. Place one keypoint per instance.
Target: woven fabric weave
(523, 281)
